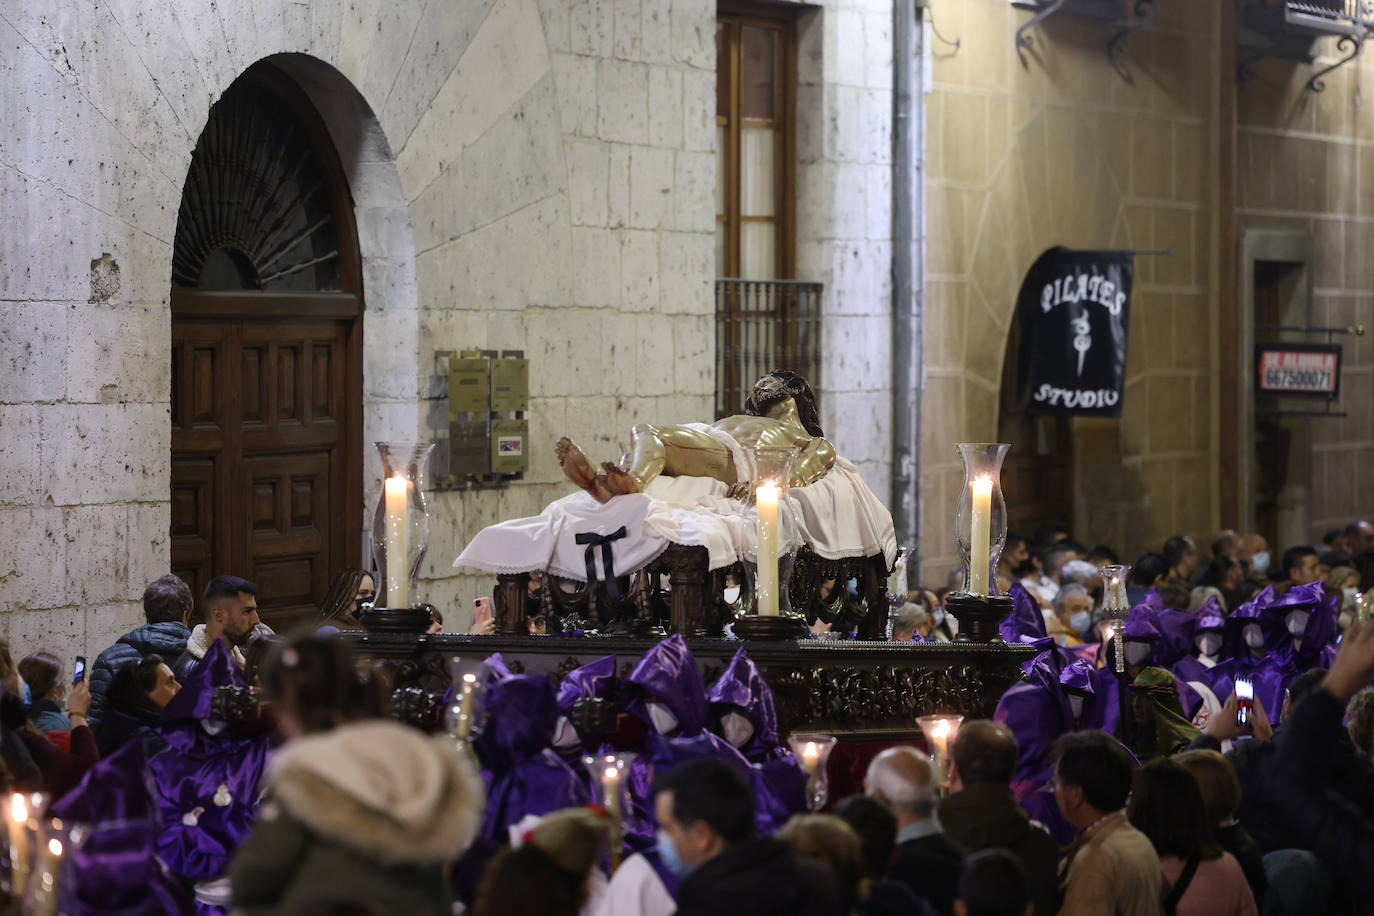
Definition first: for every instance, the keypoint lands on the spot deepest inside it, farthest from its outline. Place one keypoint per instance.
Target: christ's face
(770, 395)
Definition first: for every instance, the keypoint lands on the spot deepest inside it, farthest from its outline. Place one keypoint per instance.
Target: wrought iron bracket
(1024, 41)
(1146, 11)
(1316, 83)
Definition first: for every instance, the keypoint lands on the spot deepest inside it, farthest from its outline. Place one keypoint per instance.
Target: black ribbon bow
(593, 540)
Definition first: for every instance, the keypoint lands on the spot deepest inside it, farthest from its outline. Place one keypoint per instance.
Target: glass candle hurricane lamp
(774, 552)
(1115, 608)
(400, 526)
(939, 732)
(610, 775)
(812, 753)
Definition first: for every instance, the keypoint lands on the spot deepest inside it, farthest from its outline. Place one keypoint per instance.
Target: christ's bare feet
(579, 470)
(620, 482)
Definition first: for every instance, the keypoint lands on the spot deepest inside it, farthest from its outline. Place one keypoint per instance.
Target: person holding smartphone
(42, 671)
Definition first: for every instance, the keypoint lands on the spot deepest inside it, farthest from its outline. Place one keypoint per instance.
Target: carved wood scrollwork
(848, 696)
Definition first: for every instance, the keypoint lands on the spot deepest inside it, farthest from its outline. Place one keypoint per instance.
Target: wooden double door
(266, 445)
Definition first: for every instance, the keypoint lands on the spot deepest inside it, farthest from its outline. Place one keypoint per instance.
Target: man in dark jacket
(982, 813)
(167, 604)
(928, 861)
(705, 813)
(1304, 785)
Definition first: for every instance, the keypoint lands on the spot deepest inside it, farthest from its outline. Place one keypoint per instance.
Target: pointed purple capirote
(114, 869)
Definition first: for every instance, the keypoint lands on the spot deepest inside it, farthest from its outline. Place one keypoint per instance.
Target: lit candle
(50, 864)
(811, 758)
(396, 596)
(940, 734)
(766, 499)
(468, 700)
(980, 541)
(610, 797)
(19, 843)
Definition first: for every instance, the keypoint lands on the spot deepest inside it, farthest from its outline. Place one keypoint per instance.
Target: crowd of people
(1208, 754)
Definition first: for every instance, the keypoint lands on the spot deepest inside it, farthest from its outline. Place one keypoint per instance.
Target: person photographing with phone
(62, 754)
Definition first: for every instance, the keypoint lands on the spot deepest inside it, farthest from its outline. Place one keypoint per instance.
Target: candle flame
(55, 846)
(811, 750)
(982, 483)
(612, 773)
(469, 679)
(941, 729)
(19, 812)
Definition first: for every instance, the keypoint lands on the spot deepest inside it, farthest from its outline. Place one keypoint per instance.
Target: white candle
(467, 700)
(766, 499)
(610, 797)
(49, 868)
(980, 542)
(940, 733)
(19, 843)
(396, 596)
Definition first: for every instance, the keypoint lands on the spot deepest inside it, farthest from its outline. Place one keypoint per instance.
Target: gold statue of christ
(780, 411)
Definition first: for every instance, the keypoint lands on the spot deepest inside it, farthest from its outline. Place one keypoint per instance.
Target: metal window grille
(762, 325)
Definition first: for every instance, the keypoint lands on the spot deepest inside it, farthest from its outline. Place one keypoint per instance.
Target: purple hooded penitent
(115, 869)
(1025, 623)
(527, 776)
(594, 679)
(741, 688)
(667, 674)
(206, 779)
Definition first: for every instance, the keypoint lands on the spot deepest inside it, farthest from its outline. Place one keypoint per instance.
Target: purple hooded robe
(207, 777)
(115, 869)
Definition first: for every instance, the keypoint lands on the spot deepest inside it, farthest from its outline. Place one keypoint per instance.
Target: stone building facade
(526, 174)
(540, 175)
(1168, 150)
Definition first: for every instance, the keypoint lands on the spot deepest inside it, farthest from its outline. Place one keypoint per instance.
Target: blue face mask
(667, 851)
(1081, 622)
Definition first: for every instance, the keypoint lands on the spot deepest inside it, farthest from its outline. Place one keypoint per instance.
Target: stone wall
(1060, 149)
(1305, 164)
(844, 216)
(527, 175)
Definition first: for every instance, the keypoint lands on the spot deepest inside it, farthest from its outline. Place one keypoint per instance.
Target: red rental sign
(1311, 370)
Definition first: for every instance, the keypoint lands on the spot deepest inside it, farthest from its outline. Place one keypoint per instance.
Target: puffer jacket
(372, 813)
(166, 638)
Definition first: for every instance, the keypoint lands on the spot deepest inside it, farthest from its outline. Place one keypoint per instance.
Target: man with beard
(781, 411)
(230, 611)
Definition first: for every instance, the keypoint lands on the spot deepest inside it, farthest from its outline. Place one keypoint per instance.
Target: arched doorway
(1037, 476)
(266, 371)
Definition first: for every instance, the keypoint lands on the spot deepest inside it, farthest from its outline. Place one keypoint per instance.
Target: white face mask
(564, 735)
(1208, 643)
(1296, 621)
(940, 614)
(665, 723)
(1137, 652)
(1076, 705)
(737, 728)
(1260, 562)
(1254, 637)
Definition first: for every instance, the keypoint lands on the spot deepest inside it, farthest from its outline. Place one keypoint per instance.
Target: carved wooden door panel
(262, 455)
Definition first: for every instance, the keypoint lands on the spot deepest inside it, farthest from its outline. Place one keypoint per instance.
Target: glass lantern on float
(400, 537)
(939, 732)
(58, 841)
(980, 532)
(812, 753)
(1115, 609)
(774, 550)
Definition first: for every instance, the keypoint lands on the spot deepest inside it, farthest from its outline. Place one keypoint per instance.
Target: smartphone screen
(79, 671)
(1245, 697)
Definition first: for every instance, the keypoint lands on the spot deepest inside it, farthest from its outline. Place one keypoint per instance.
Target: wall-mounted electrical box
(485, 439)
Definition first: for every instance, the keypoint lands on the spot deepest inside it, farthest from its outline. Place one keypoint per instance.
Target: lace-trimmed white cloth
(838, 517)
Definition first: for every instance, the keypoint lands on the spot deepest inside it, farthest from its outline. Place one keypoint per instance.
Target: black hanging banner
(1074, 308)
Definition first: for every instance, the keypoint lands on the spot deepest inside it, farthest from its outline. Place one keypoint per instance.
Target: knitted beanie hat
(573, 837)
